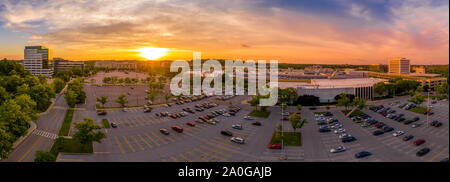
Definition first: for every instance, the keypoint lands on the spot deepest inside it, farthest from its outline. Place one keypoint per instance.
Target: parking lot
(384, 147)
(137, 136)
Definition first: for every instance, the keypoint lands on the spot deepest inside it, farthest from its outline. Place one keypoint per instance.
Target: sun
(152, 53)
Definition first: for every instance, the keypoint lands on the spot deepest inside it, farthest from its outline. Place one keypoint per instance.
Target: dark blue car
(362, 154)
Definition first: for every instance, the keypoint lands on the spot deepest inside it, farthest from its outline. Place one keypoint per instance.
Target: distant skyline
(302, 32)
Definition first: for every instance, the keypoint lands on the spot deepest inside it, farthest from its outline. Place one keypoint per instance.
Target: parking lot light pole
(283, 151)
(428, 109)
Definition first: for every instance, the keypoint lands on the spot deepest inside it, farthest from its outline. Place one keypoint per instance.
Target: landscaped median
(259, 114)
(65, 145)
(419, 110)
(290, 138)
(105, 123)
(65, 127)
(356, 112)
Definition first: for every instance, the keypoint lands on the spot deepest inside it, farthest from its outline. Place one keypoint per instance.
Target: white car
(344, 135)
(339, 131)
(338, 149)
(124, 109)
(237, 140)
(226, 115)
(248, 117)
(337, 126)
(237, 126)
(398, 133)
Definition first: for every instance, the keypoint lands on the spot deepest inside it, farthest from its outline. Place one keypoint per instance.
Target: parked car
(422, 152)
(190, 124)
(419, 142)
(338, 149)
(237, 140)
(362, 154)
(164, 131)
(274, 146)
(378, 132)
(407, 138)
(226, 133)
(177, 129)
(348, 139)
(102, 113)
(237, 126)
(415, 125)
(398, 133)
(113, 125)
(257, 123)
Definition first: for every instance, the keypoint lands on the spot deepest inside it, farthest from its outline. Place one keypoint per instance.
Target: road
(42, 138)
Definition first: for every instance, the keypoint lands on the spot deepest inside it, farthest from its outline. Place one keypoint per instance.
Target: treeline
(75, 94)
(22, 96)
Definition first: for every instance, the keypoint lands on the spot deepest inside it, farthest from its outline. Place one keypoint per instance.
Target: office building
(38, 60)
(61, 64)
(328, 89)
(399, 66)
(419, 69)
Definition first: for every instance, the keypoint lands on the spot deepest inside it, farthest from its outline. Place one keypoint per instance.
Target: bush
(44, 156)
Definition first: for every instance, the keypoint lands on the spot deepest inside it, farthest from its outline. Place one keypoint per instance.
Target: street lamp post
(283, 152)
(428, 109)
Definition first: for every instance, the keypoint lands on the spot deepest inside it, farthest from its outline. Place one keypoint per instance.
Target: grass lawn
(357, 112)
(419, 110)
(70, 146)
(320, 112)
(65, 127)
(105, 123)
(290, 138)
(259, 114)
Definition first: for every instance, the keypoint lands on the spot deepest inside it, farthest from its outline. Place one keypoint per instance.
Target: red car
(101, 113)
(190, 124)
(419, 142)
(177, 129)
(274, 146)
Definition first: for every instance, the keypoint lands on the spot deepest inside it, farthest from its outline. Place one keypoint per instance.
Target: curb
(33, 127)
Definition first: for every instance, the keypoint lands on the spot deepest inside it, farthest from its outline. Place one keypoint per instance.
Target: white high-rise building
(37, 59)
(399, 66)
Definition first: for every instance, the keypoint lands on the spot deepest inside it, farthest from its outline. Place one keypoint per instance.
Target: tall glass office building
(38, 60)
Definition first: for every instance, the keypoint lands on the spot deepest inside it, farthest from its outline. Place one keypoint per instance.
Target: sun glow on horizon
(152, 53)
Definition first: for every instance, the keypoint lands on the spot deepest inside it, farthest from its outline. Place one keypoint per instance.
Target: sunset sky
(304, 32)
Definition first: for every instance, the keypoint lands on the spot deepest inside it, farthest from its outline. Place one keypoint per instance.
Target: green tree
(167, 96)
(379, 88)
(103, 100)
(44, 156)
(280, 127)
(302, 123)
(71, 98)
(254, 102)
(294, 120)
(344, 101)
(417, 99)
(122, 99)
(58, 84)
(419, 89)
(6, 143)
(3, 95)
(87, 132)
(42, 79)
(299, 107)
(15, 120)
(359, 103)
(327, 107)
(443, 89)
(287, 95)
(153, 95)
(27, 106)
